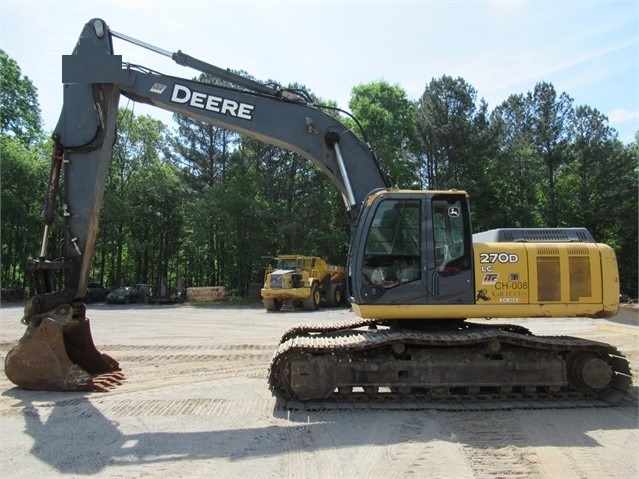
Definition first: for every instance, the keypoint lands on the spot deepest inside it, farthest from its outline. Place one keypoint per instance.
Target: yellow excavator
(416, 274)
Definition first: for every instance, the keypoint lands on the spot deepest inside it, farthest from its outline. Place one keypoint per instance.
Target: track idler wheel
(58, 354)
(590, 372)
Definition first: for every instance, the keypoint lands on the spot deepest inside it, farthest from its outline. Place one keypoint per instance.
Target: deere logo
(224, 106)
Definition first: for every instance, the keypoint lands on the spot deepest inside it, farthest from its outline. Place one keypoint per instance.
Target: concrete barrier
(206, 294)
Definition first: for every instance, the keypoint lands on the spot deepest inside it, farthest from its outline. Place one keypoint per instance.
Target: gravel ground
(196, 404)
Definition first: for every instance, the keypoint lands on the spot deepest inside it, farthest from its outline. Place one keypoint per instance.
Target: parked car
(12, 294)
(96, 292)
(166, 299)
(126, 295)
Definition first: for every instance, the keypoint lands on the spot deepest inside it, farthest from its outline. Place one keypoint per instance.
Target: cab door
(448, 249)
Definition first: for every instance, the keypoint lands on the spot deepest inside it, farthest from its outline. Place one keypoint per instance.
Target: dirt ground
(196, 404)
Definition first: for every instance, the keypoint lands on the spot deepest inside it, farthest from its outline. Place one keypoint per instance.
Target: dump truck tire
(272, 304)
(313, 301)
(334, 296)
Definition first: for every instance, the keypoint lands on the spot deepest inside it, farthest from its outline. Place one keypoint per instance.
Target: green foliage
(22, 191)
(19, 107)
(387, 117)
(447, 123)
(142, 210)
(458, 150)
(514, 164)
(549, 117)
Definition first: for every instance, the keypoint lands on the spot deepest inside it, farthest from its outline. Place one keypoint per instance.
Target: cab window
(450, 247)
(392, 253)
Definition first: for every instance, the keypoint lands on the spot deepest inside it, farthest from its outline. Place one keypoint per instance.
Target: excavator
(418, 278)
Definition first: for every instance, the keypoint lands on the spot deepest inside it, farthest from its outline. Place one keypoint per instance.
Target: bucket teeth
(108, 381)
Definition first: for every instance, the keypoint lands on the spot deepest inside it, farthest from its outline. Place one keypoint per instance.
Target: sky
(586, 49)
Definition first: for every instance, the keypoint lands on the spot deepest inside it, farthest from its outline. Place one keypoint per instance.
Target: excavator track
(367, 364)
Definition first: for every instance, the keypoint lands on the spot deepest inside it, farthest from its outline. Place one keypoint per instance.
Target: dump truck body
(308, 281)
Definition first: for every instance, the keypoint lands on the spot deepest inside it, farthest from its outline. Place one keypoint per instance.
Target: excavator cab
(413, 248)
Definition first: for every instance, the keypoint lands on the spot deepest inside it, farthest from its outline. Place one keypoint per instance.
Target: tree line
(198, 205)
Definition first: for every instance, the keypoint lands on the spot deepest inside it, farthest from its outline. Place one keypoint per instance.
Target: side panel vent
(549, 278)
(547, 249)
(577, 249)
(580, 277)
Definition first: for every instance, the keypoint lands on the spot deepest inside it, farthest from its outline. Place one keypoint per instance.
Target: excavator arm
(268, 113)
(94, 79)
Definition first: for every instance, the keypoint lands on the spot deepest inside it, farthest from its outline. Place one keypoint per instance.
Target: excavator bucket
(59, 355)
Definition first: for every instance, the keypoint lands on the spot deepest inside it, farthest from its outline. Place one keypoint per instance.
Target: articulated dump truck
(307, 281)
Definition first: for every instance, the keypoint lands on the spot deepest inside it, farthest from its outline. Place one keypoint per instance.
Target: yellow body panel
(518, 280)
(286, 294)
(448, 311)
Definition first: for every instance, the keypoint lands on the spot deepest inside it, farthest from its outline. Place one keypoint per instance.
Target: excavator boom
(94, 79)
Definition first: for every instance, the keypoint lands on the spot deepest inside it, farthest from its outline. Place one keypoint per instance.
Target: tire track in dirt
(133, 407)
(229, 361)
(326, 453)
(308, 455)
(199, 358)
(297, 446)
(376, 433)
(191, 372)
(493, 444)
(584, 457)
(371, 444)
(149, 379)
(414, 445)
(315, 445)
(199, 407)
(376, 446)
(147, 372)
(216, 347)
